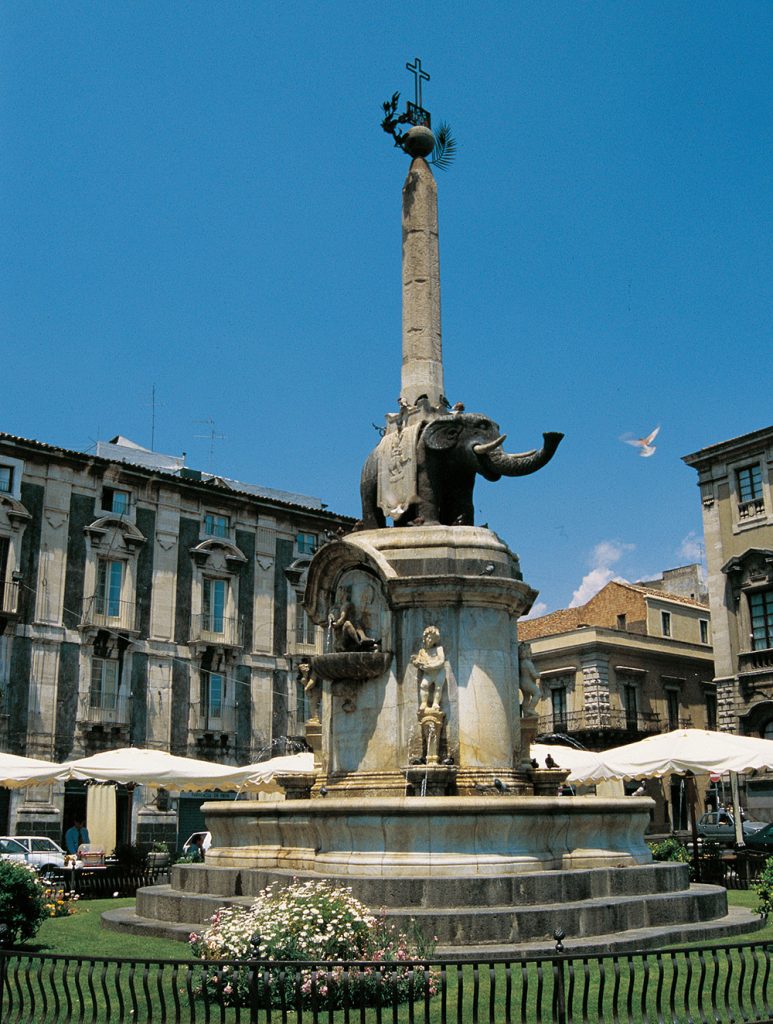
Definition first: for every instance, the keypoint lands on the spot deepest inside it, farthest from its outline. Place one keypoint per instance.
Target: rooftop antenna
(212, 436)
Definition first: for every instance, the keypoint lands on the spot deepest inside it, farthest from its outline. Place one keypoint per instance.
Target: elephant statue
(425, 472)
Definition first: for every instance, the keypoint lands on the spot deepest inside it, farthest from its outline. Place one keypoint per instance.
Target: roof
(566, 619)
(121, 449)
(762, 436)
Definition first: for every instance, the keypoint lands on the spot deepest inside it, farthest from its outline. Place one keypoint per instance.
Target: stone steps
(501, 924)
(736, 922)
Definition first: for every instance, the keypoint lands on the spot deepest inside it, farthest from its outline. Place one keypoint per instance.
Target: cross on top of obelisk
(416, 112)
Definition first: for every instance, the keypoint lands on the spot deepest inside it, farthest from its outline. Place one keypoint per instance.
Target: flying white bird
(645, 444)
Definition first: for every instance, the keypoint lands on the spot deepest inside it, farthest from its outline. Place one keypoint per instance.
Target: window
(711, 710)
(105, 679)
(761, 608)
(216, 525)
(109, 580)
(665, 623)
(6, 479)
(212, 695)
(672, 701)
(306, 543)
(621, 621)
(114, 500)
(213, 605)
(558, 706)
(305, 632)
(749, 483)
(704, 627)
(631, 705)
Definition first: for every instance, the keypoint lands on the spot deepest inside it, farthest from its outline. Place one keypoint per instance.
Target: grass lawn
(82, 934)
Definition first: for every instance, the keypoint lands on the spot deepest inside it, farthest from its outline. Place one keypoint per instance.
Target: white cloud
(539, 608)
(692, 547)
(605, 554)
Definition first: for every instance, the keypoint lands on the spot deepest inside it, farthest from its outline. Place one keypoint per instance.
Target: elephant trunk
(497, 461)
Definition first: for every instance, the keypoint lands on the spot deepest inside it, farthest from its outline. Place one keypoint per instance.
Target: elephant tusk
(489, 446)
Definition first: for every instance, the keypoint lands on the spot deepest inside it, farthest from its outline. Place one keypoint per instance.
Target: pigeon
(644, 443)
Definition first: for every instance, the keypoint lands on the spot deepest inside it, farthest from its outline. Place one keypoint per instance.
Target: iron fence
(729, 983)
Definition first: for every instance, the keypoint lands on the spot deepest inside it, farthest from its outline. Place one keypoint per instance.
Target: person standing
(76, 835)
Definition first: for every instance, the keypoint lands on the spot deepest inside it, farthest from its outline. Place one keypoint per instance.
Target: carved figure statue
(528, 681)
(311, 687)
(431, 663)
(427, 471)
(349, 630)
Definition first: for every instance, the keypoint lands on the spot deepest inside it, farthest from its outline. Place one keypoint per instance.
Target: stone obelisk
(422, 372)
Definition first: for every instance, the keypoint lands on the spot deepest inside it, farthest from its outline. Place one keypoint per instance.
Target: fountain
(424, 799)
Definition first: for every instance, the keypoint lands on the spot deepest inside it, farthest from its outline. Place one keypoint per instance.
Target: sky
(197, 198)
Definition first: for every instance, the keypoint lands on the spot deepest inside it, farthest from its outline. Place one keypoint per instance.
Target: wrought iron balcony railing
(218, 630)
(613, 719)
(104, 612)
(215, 719)
(102, 708)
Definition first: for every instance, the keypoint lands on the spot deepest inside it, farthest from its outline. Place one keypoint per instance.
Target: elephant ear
(442, 434)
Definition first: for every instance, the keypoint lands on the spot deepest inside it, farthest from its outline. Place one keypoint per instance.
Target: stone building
(633, 661)
(736, 493)
(145, 603)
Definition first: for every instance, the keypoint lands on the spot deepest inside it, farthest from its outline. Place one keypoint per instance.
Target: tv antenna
(211, 436)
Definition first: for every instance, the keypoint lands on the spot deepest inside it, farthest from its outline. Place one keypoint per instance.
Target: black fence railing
(729, 983)
(108, 881)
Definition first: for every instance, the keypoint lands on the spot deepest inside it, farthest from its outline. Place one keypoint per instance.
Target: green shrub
(670, 849)
(22, 901)
(764, 889)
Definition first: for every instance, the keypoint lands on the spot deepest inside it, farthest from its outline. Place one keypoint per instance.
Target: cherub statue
(431, 662)
(528, 681)
(311, 688)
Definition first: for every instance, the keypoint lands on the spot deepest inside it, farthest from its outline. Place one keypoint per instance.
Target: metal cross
(419, 75)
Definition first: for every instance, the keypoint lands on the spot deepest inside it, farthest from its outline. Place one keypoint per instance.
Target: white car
(206, 844)
(11, 850)
(42, 852)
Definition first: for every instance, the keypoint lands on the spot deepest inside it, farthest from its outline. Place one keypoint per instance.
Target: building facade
(736, 492)
(144, 603)
(633, 661)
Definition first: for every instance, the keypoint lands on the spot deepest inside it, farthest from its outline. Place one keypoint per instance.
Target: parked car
(189, 841)
(762, 840)
(719, 827)
(42, 852)
(11, 850)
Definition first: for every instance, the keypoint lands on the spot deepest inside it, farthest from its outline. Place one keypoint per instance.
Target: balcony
(750, 509)
(608, 724)
(102, 613)
(217, 631)
(105, 709)
(214, 731)
(9, 597)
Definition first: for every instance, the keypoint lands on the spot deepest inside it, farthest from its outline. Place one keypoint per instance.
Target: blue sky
(198, 196)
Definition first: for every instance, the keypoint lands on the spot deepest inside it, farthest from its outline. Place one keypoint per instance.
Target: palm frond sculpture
(445, 147)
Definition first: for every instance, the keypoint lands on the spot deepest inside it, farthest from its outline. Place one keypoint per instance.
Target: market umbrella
(142, 767)
(580, 763)
(17, 771)
(682, 751)
(262, 774)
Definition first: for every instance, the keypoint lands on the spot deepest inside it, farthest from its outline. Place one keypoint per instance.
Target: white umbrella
(263, 773)
(581, 763)
(151, 768)
(17, 771)
(684, 750)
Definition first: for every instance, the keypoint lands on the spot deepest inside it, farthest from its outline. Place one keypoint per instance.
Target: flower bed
(311, 923)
